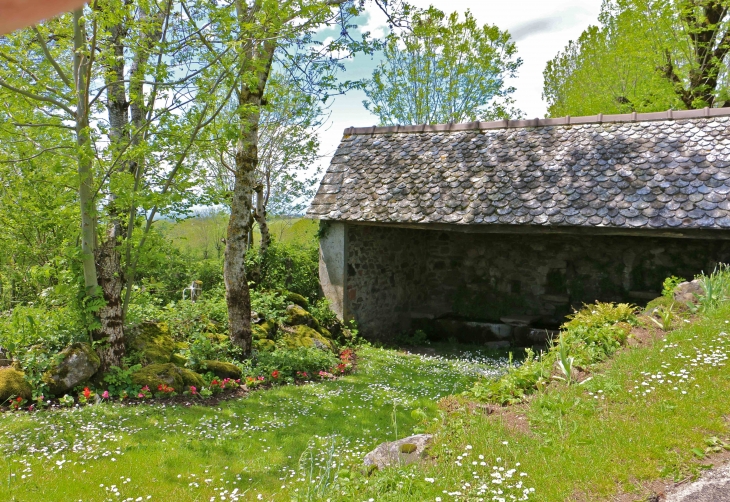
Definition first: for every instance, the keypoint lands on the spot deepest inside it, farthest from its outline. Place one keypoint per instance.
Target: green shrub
(601, 314)
(290, 361)
(716, 288)
(294, 268)
(119, 380)
(591, 335)
(53, 328)
(670, 284)
(323, 313)
(516, 384)
(269, 304)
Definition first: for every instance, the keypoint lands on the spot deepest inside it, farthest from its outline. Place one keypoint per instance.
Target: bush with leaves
(590, 336)
(290, 267)
(289, 362)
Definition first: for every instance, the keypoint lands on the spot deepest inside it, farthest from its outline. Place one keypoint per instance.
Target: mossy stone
(221, 369)
(296, 299)
(264, 331)
(216, 337)
(74, 365)
(297, 316)
(154, 342)
(178, 360)
(12, 383)
(264, 345)
(304, 336)
(258, 332)
(408, 448)
(663, 302)
(178, 378)
(270, 327)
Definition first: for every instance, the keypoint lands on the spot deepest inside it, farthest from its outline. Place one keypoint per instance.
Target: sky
(540, 28)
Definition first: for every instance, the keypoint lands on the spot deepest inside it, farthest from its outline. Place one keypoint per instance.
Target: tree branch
(36, 97)
(51, 59)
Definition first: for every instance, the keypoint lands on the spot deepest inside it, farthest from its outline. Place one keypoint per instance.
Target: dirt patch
(514, 418)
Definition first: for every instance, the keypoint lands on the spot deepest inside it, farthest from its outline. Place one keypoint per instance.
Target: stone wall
(395, 275)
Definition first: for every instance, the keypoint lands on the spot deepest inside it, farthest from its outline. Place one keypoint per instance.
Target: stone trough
(514, 331)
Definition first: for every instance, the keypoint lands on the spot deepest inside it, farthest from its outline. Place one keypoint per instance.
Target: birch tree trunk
(108, 259)
(85, 159)
(257, 60)
(260, 216)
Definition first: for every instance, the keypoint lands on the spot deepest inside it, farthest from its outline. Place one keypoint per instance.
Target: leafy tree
(288, 147)
(111, 87)
(442, 69)
(247, 38)
(646, 55)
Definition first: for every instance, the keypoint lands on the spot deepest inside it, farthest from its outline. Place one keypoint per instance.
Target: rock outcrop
(12, 384)
(688, 292)
(180, 379)
(402, 452)
(76, 364)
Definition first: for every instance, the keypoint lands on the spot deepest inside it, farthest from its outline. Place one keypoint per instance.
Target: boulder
(304, 336)
(12, 383)
(296, 299)
(153, 342)
(217, 337)
(264, 331)
(178, 360)
(75, 364)
(297, 316)
(687, 292)
(178, 378)
(402, 452)
(221, 369)
(264, 345)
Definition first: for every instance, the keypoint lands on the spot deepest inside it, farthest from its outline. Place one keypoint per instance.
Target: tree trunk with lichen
(238, 296)
(260, 216)
(256, 60)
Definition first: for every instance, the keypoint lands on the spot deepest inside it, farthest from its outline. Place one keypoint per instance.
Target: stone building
(522, 220)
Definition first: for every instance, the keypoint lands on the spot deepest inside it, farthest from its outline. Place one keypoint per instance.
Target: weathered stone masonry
(396, 275)
(526, 218)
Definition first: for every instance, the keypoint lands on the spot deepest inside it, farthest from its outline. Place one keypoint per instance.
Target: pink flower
(105, 394)
(140, 395)
(193, 390)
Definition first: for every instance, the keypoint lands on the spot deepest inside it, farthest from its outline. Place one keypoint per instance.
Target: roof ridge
(537, 122)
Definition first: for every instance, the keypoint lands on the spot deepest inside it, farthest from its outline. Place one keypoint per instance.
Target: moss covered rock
(74, 365)
(264, 345)
(13, 384)
(178, 378)
(296, 299)
(264, 331)
(304, 336)
(221, 369)
(663, 302)
(178, 360)
(216, 337)
(153, 342)
(297, 316)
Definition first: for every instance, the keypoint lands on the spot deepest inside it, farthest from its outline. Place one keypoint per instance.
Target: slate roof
(662, 174)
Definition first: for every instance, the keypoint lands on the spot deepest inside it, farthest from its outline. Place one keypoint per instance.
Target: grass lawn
(245, 449)
(649, 413)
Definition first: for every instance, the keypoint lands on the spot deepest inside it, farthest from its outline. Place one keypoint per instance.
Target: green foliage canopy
(646, 55)
(444, 69)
